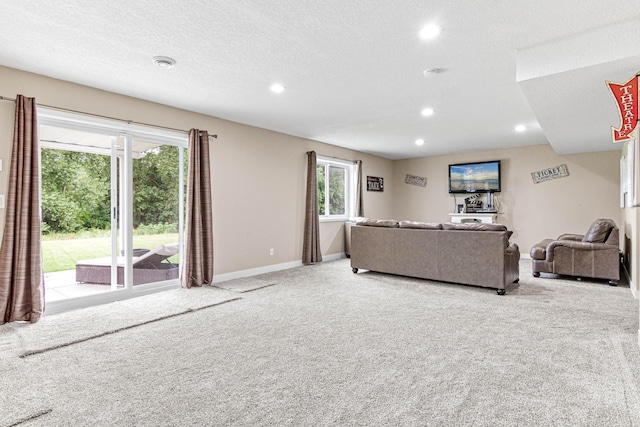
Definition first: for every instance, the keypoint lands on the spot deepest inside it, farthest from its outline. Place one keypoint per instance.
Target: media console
(483, 217)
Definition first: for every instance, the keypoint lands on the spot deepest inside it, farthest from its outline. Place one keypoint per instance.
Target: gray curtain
(197, 266)
(359, 194)
(21, 280)
(311, 244)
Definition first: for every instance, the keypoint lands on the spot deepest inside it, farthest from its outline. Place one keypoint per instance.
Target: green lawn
(60, 255)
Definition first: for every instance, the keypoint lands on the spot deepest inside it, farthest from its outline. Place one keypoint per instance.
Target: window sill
(334, 219)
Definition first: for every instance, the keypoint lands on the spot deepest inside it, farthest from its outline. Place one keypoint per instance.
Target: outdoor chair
(152, 266)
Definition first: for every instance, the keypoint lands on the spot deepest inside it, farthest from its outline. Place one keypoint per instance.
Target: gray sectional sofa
(472, 254)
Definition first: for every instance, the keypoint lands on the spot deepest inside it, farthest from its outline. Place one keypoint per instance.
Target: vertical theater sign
(626, 96)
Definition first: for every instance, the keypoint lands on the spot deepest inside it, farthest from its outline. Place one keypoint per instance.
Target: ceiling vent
(164, 62)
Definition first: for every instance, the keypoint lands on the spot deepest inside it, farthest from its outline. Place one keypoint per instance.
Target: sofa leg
(501, 291)
(613, 283)
(536, 274)
(355, 270)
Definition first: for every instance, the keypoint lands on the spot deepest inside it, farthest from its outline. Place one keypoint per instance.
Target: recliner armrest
(577, 245)
(569, 236)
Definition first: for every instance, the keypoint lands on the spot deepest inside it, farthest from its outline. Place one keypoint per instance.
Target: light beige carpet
(20, 339)
(326, 347)
(245, 284)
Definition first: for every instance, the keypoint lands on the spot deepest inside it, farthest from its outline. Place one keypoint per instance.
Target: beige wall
(258, 176)
(532, 211)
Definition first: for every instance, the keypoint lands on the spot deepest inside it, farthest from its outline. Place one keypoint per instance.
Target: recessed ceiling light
(164, 62)
(277, 88)
(429, 32)
(427, 112)
(521, 128)
(419, 141)
(431, 72)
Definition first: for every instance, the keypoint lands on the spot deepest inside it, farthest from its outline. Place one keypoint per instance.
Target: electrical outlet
(271, 252)
(1, 201)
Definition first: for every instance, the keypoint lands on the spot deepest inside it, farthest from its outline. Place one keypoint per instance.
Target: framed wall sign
(375, 183)
(549, 174)
(420, 181)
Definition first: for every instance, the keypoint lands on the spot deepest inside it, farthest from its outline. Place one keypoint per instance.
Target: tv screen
(480, 177)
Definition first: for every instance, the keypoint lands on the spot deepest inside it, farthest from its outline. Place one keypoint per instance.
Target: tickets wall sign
(549, 174)
(420, 181)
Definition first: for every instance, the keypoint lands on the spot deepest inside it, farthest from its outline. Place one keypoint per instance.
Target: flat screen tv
(479, 177)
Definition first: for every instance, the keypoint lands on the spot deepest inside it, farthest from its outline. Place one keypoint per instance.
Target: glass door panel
(156, 213)
(77, 170)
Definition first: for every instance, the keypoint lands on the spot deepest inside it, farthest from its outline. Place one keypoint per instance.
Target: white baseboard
(632, 286)
(269, 268)
(333, 257)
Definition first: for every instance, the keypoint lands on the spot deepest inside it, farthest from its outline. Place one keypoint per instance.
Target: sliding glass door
(112, 208)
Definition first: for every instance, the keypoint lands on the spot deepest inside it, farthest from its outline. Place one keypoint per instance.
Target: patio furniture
(152, 266)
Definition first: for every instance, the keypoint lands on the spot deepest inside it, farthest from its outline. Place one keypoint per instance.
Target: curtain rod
(6, 98)
(336, 158)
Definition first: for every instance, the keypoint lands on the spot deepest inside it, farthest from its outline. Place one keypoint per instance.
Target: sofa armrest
(512, 250)
(574, 237)
(578, 246)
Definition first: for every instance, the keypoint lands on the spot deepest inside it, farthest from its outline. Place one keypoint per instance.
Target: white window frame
(350, 190)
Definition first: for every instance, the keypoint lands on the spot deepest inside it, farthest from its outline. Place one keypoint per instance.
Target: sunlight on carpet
(18, 339)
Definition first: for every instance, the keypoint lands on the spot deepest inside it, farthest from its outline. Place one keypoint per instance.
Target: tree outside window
(337, 184)
(334, 189)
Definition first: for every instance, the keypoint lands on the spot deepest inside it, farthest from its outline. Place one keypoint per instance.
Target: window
(336, 192)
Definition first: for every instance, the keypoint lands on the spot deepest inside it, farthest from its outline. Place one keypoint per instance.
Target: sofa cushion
(421, 225)
(379, 222)
(599, 231)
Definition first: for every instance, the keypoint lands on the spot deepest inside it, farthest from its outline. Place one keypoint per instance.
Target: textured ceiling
(353, 69)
